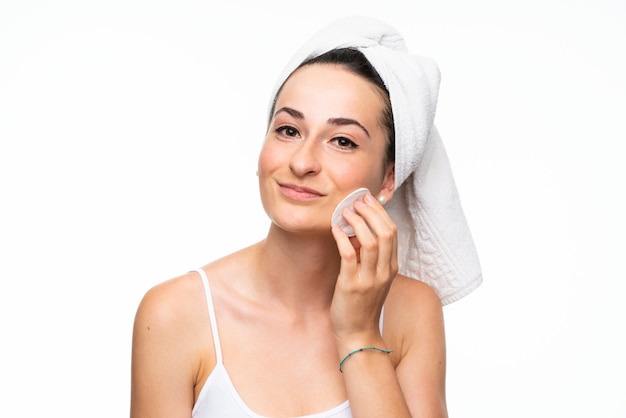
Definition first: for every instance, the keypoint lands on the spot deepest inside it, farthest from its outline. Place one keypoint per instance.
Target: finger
(347, 252)
(368, 252)
(374, 214)
(385, 232)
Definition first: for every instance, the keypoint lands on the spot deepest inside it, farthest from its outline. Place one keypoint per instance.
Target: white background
(129, 132)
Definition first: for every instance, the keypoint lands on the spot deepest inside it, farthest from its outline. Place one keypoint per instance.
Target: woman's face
(324, 141)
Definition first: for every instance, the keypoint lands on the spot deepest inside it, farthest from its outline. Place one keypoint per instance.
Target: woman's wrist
(347, 345)
(360, 350)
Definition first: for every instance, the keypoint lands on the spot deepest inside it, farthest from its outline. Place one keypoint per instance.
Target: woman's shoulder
(413, 310)
(177, 301)
(407, 292)
(172, 302)
(172, 343)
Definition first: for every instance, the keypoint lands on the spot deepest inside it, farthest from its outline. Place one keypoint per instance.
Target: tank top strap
(212, 318)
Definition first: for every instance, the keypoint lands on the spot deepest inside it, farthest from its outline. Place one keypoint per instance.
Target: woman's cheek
(266, 158)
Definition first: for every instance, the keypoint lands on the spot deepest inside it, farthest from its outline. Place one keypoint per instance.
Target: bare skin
(291, 307)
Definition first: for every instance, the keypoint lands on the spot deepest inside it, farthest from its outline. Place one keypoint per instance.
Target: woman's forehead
(332, 86)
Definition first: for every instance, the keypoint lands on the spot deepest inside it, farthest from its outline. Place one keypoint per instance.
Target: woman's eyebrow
(333, 121)
(293, 112)
(347, 121)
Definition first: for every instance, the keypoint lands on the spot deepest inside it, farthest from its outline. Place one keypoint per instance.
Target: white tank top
(219, 398)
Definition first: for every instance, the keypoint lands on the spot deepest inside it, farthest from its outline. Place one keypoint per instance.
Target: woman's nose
(304, 160)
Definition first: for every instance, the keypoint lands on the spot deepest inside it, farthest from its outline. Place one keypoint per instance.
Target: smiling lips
(296, 192)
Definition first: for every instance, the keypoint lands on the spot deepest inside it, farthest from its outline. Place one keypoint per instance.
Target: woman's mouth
(295, 192)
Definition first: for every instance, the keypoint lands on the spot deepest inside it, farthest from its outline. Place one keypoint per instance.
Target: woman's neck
(296, 270)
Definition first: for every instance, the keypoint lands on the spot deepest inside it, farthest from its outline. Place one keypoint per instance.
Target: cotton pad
(347, 202)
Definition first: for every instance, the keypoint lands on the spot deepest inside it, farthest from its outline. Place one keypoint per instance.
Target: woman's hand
(368, 266)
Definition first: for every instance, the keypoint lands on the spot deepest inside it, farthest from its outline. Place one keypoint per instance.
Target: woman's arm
(368, 267)
(416, 386)
(415, 309)
(162, 370)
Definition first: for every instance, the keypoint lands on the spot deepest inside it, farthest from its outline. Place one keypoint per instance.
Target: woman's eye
(289, 131)
(343, 142)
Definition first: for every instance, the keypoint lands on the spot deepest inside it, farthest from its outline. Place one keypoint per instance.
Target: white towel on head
(434, 241)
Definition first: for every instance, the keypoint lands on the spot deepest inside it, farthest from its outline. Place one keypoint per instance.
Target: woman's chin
(302, 228)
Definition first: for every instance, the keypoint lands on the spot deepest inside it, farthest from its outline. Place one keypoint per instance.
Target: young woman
(309, 322)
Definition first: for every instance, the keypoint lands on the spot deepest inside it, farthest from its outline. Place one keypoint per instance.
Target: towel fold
(434, 241)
